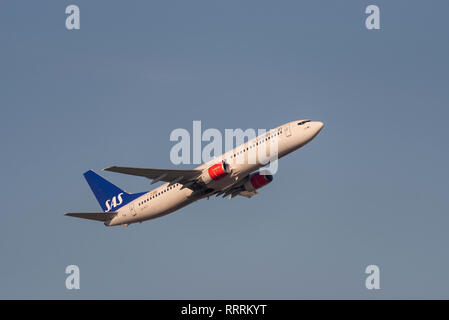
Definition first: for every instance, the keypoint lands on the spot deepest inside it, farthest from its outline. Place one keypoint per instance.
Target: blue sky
(370, 189)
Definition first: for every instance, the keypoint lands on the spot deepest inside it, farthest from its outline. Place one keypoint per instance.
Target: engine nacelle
(257, 181)
(215, 172)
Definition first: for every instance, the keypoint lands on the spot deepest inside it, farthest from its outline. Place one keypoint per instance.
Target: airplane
(230, 174)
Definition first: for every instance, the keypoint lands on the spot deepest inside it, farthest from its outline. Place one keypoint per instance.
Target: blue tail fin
(109, 196)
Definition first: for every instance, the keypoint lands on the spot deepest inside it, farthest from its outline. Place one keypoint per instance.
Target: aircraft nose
(319, 125)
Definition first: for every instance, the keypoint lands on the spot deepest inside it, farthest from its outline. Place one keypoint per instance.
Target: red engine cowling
(215, 172)
(257, 181)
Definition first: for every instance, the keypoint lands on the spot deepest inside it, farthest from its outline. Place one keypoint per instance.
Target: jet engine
(257, 181)
(215, 172)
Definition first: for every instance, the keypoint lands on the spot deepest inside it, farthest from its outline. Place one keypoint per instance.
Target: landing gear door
(287, 130)
(131, 209)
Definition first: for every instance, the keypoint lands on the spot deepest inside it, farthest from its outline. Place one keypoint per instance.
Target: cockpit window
(302, 122)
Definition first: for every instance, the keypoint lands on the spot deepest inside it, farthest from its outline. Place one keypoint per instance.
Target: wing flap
(98, 216)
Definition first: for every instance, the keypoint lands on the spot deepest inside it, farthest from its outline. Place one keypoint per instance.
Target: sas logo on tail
(114, 203)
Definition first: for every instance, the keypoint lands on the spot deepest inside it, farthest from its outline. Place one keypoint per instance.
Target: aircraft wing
(237, 189)
(184, 177)
(99, 216)
(233, 190)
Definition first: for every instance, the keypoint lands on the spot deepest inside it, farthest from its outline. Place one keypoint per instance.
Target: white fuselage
(168, 198)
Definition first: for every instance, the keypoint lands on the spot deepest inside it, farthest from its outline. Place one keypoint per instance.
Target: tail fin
(109, 196)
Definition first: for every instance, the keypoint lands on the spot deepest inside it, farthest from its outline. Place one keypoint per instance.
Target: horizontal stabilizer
(99, 216)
